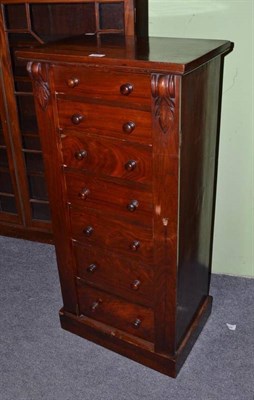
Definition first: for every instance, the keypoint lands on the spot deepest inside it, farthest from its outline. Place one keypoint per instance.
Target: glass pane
(18, 66)
(40, 211)
(15, 16)
(3, 158)
(5, 182)
(2, 141)
(113, 39)
(30, 141)
(112, 16)
(7, 204)
(27, 117)
(55, 21)
(23, 85)
(34, 162)
(37, 187)
(21, 38)
(16, 41)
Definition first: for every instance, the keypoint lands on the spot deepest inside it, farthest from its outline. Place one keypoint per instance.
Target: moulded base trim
(134, 348)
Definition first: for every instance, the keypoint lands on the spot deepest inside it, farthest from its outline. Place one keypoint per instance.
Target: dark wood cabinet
(129, 132)
(24, 208)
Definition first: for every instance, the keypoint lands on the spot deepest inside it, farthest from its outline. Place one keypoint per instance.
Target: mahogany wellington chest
(129, 132)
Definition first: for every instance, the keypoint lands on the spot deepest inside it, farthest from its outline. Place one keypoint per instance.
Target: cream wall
(232, 20)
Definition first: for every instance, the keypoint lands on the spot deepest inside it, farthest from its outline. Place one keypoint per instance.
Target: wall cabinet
(24, 208)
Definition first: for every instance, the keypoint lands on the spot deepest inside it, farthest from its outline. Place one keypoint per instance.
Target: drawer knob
(92, 268)
(80, 155)
(133, 205)
(135, 245)
(129, 127)
(72, 82)
(77, 118)
(136, 284)
(126, 89)
(137, 323)
(84, 193)
(96, 304)
(130, 165)
(88, 230)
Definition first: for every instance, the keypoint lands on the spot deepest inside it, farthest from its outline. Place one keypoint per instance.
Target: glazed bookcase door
(8, 206)
(24, 25)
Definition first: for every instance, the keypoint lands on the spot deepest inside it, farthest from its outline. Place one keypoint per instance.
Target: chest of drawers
(130, 139)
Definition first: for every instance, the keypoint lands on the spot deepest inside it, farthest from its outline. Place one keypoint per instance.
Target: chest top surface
(160, 54)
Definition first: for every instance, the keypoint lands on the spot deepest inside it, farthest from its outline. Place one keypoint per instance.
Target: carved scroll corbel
(163, 92)
(38, 74)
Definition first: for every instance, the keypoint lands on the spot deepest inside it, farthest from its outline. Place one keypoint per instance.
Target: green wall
(232, 20)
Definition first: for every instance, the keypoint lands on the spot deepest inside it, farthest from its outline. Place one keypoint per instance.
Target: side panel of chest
(199, 151)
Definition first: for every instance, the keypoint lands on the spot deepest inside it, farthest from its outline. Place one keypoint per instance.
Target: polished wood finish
(116, 234)
(166, 108)
(132, 205)
(125, 277)
(129, 161)
(113, 87)
(89, 191)
(197, 188)
(118, 122)
(127, 316)
(156, 53)
(24, 209)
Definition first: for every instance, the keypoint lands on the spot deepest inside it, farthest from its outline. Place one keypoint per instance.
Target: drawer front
(115, 235)
(120, 276)
(124, 88)
(122, 123)
(129, 200)
(111, 310)
(108, 157)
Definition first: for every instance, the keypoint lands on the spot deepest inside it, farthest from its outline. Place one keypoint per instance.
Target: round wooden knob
(137, 323)
(77, 118)
(88, 230)
(130, 165)
(91, 268)
(133, 205)
(96, 304)
(72, 82)
(84, 193)
(135, 245)
(126, 89)
(129, 127)
(80, 155)
(136, 284)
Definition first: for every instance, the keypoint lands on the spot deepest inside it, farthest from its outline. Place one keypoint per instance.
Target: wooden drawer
(123, 277)
(121, 123)
(108, 157)
(129, 317)
(92, 83)
(132, 200)
(116, 235)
